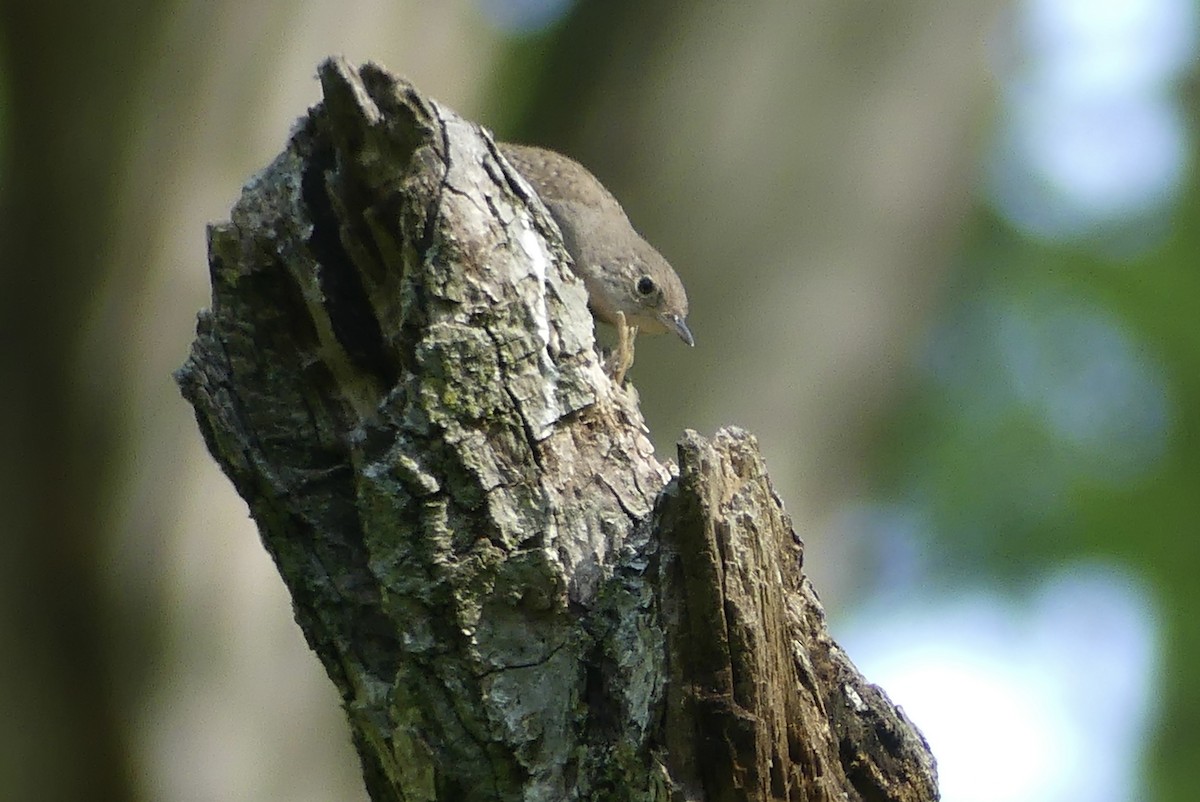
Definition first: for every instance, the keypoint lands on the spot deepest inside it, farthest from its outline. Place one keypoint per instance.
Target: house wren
(629, 283)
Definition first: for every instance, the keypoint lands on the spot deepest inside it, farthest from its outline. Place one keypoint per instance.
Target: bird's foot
(622, 359)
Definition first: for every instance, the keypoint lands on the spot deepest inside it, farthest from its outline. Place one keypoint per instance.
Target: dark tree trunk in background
(514, 598)
(69, 79)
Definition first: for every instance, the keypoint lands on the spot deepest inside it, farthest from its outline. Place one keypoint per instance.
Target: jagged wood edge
(761, 702)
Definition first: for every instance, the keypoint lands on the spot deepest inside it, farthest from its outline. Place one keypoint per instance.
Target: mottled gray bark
(515, 599)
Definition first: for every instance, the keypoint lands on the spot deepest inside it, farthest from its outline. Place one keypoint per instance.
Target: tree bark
(515, 599)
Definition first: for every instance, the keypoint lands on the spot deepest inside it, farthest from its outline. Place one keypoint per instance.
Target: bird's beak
(675, 323)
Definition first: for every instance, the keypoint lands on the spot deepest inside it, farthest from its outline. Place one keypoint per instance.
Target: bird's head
(640, 283)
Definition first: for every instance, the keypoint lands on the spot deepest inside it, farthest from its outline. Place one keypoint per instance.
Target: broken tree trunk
(515, 599)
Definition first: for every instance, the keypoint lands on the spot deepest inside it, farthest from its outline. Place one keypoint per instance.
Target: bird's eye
(645, 285)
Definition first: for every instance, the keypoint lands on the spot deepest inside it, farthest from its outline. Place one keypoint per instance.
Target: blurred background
(940, 262)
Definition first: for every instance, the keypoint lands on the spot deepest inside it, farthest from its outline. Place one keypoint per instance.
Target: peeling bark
(515, 599)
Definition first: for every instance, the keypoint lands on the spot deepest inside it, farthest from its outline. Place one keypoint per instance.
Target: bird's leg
(626, 334)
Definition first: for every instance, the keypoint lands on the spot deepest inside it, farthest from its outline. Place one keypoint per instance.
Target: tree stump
(514, 598)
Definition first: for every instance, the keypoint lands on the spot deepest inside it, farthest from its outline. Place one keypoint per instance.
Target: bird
(629, 283)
